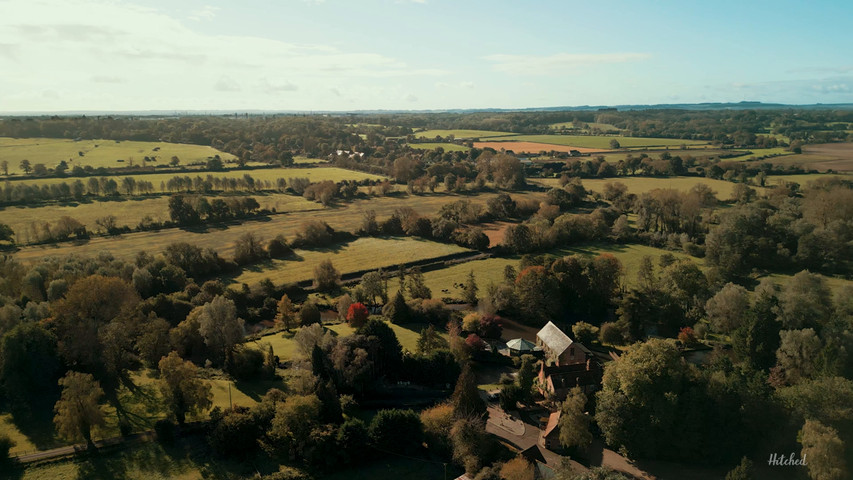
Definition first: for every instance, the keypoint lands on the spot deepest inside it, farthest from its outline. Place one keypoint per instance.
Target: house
(567, 364)
(559, 348)
(550, 437)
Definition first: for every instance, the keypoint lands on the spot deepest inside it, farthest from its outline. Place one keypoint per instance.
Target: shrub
(610, 333)
(245, 363)
(396, 430)
(585, 333)
(309, 314)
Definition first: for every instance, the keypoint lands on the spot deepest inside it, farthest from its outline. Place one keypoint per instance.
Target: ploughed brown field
(824, 156)
(533, 147)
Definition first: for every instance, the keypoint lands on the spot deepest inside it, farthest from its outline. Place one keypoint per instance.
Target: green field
(461, 133)
(448, 147)
(128, 212)
(640, 185)
(300, 160)
(588, 141)
(346, 217)
(267, 174)
(285, 347)
(361, 254)
(100, 153)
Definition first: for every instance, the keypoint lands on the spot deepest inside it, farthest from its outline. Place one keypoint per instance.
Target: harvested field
(531, 147)
(128, 212)
(448, 147)
(460, 133)
(598, 142)
(360, 254)
(267, 174)
(101, 153)
(495, 231)
(222, 237)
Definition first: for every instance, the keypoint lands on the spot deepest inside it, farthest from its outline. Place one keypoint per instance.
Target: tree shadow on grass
(36, 423)
(255, 389)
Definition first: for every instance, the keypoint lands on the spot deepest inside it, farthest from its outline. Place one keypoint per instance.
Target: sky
(344, 55)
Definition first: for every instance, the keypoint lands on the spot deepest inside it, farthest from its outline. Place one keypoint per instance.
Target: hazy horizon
(328, 55)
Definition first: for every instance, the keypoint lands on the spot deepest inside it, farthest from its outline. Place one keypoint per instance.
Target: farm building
(550, 437)
(567, 364)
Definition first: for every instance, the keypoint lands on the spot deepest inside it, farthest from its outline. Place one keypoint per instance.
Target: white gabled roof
(556, 340)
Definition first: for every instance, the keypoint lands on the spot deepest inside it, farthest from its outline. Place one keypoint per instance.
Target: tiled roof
(554, 338)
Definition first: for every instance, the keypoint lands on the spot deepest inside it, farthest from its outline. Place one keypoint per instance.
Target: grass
(448, 147)
(300, 160)
(804, 179)
(221, 238)
(269, 175)
(605, 127)
(100, 153)
(361, 254)
(460, 133)
(285, 347)
(640, 185)
(587, 141)
(127, 211)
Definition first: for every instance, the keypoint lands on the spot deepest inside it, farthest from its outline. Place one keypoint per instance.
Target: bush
(397, 430)
(610, 333)
(235, 434)
(245, 363)
(352, 439)
(309, 314)
(585, 333)
(278, 247)
(288, 473)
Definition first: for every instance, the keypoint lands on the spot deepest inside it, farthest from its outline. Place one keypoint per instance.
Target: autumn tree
(285, 313)
(183, 392)
(357, 314)
(78, 410)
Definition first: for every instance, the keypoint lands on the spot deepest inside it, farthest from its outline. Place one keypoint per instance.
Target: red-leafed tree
(475, 342)
(357, 315)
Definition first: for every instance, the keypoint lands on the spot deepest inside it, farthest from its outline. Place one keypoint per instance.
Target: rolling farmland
(640, 185)
(100, 153)
(596, 142)
(460, 133)
(448, 147)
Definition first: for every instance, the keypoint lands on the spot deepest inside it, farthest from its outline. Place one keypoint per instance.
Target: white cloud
(166, 63)
(208, 12)
(557, 63)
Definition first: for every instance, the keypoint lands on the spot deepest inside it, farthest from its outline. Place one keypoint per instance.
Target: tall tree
(285, 312)
(824, 451)
(574, 423)
(183, 391)
(466, 399)
(78, 410)
(220, 327)
(326, 276)
(470, 291)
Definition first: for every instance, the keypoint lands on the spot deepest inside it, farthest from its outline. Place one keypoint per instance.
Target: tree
(182, 212)
(430, 340)
(25, 166)
(416, 285)
(728, 309)
(309, 314)
(78, 410)
(390, 353)
(637, 405)
(284, 312)
(574, 423)
(29, 363)
(538, 295)
(471, 444)
(466, 399)
(290, 431)
(374, 287)
(183, 392)
(220, 327)
(397, 311)
(519, 468)
(744, 471)
(585, 333)
(326, 276)
(824, 451)
(357, 315)
(249, 248)
(4, 165)
(806, 301)
(470, 290)
(6, 233)
(396, 430)
(798, 350)
(614, 144)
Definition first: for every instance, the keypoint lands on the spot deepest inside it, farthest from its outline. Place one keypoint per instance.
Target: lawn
(448, 147)
(100, 153)
(491, 270)
(267, 174)
(598, 142)
(127, 211)
(640, 185)
(460, 133)
(346, 217)
(285, 347)
(361, 254)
